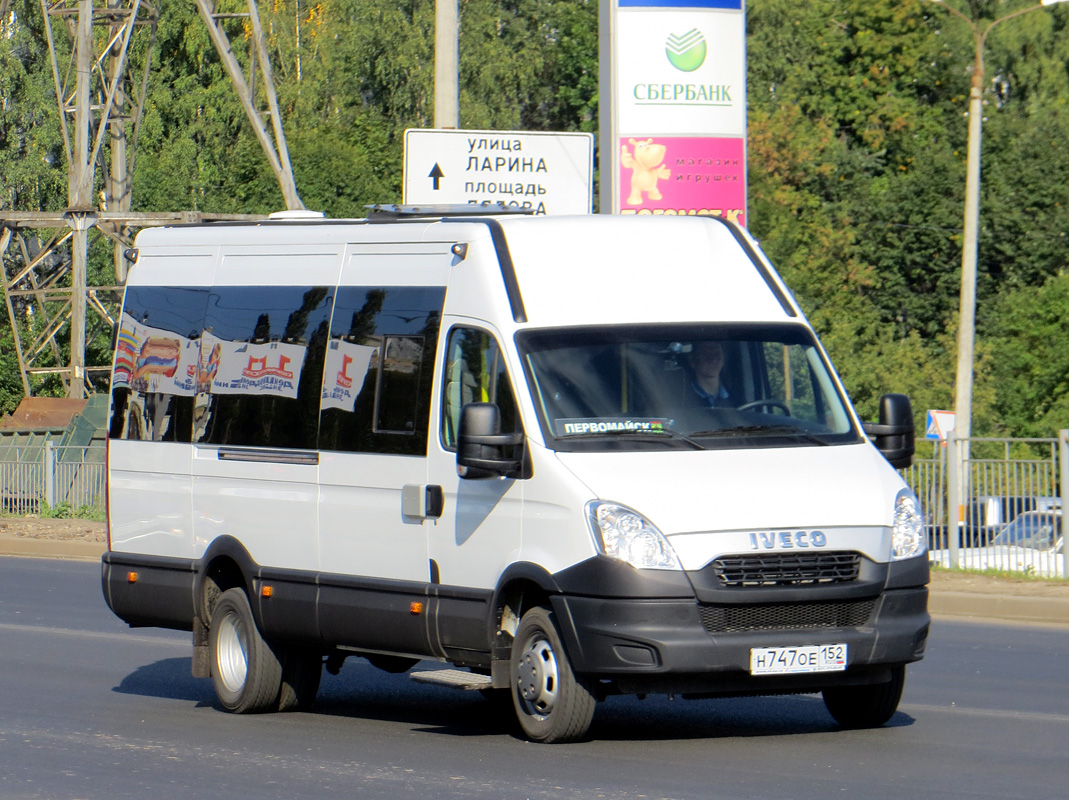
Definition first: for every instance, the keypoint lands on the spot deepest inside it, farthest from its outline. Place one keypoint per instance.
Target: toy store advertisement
(686, 176)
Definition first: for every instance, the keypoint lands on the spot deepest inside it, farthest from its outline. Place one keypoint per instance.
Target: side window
(475, 373)
(260, 372)
(157, 348)
(376, 394)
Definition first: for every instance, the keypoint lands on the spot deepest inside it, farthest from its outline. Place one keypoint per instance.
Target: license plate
(793, 660)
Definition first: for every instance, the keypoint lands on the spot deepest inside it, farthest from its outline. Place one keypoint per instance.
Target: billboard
(674, 134)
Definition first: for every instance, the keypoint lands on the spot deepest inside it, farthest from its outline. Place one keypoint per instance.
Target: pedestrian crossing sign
(939, 424)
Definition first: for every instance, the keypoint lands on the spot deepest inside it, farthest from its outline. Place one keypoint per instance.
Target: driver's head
(707, 359)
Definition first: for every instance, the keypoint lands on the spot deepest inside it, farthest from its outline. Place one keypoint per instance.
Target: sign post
(549, 173)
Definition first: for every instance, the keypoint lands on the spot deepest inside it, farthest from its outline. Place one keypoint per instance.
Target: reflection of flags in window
(343, 375)
(154, 360)
(272, 369)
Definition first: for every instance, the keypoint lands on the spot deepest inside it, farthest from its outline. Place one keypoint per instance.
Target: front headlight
(626, 535)
(908, 536)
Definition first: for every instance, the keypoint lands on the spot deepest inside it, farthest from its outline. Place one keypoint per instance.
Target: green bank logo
(687, 52)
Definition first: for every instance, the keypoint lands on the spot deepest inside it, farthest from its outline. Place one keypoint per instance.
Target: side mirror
(482, 447)
(893, 435)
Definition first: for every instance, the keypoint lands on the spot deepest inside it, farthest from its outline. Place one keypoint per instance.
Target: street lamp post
(969, 247)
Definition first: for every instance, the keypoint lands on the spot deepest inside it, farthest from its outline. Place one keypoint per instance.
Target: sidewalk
(1024, 604)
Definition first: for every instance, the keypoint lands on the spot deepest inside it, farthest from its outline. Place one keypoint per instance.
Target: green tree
(32, 170)
(1029, 339)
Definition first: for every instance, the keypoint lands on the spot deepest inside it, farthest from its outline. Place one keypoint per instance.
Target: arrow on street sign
(436, 175)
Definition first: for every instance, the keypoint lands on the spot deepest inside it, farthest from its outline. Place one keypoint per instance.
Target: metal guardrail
(50, 477)
(996, 503)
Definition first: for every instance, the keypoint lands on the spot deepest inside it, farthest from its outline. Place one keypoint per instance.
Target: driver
(706, 361)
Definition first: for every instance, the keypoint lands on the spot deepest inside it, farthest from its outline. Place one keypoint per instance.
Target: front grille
(776, 616)
(786, 569)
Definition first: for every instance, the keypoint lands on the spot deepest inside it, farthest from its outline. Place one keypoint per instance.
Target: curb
(51, 548)
(1016, 608)
(975, 605)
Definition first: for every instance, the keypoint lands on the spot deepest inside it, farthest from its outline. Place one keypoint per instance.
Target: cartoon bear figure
(646, 169)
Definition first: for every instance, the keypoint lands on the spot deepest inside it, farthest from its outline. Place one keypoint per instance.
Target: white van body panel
(790, 494)
(556, 532)
(793, 489)
(360, 508)
(271, 511)
(650, 278)
(155, 492)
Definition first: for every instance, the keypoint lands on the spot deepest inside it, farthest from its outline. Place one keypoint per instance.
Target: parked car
(986, 515)
(1032, 543)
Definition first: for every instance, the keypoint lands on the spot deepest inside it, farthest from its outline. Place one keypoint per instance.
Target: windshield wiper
(647, 435)
(749, 430)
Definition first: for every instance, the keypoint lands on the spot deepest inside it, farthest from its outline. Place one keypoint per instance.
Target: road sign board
(550, 173)
(939, 424)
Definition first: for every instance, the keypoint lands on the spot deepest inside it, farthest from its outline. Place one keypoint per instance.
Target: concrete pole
(80, 196)
(119, 198)
(967, 301)
(446, 64)
(970, 246)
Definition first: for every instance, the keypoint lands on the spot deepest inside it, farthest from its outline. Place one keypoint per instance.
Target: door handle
(422, 501)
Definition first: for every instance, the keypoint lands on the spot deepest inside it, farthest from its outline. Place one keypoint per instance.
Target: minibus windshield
(633, 387)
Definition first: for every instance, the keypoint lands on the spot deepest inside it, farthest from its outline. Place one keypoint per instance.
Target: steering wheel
(768, 403)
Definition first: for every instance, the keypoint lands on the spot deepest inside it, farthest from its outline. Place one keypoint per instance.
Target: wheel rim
(231, 653)
(537, 678)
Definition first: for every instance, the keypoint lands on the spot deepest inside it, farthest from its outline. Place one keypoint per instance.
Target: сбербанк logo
(687, 52)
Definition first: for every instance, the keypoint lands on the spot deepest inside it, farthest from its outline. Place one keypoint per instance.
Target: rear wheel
(552, 703)
(246, 671)
(866, 706)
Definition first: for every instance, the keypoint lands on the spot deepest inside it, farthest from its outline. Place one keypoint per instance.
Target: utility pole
(446, 64)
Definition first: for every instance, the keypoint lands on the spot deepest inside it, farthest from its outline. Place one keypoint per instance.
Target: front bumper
(681, 645)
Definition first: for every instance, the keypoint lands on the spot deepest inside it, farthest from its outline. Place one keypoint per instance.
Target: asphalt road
(91, 709)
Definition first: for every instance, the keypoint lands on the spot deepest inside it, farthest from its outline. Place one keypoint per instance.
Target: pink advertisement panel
(683, 175)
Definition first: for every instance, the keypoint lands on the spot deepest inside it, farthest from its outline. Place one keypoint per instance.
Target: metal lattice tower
(100, 93)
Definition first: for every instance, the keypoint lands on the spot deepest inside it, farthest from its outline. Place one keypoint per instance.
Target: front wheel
(866, 706)
(552, 703)
(246, 671)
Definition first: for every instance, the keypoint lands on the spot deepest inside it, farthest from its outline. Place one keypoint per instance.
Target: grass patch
(93, 513)
(1002, 574)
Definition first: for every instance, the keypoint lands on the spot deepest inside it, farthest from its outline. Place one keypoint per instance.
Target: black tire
(246, 671)
(866, 706)
(301, 672)
(552, 703)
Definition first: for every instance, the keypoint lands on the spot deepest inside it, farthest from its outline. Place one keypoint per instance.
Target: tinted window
(379, 368)
(157, 350)
(261, 366)
(475, 373)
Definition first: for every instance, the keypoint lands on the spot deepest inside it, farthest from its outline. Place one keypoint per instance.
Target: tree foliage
(856, 157)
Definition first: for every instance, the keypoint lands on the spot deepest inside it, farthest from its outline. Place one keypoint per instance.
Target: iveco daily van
(566, 456)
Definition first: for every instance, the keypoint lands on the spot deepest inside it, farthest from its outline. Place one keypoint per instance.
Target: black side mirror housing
(893, 435)
(483, 451)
